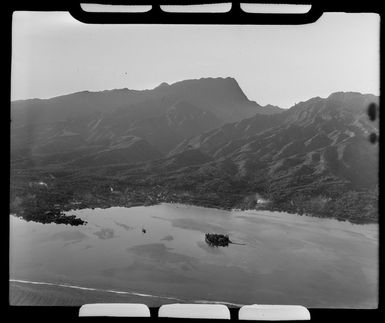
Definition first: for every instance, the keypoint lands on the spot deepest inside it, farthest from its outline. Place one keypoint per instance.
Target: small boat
(143, 230)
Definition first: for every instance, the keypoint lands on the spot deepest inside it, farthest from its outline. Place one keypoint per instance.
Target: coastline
(25, 293)
(28, 293)
(63, 218)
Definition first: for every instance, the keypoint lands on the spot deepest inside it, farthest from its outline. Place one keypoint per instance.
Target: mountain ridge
(207, 104)
(313, 158)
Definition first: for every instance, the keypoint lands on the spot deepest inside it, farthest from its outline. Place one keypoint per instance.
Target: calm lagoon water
(286, 259)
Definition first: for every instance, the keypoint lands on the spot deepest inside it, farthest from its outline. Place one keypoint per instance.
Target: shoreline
(83, 295)
(91, 289)
(43, 204)
(275, 214)
(25, 293)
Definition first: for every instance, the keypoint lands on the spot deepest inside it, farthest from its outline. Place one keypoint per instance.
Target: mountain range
(202, 142)
(92, 122)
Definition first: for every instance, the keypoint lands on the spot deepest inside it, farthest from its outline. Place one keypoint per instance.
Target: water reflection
(126, 227)
(105, 233)
(73, 236)
(167, 238)
(209, 249)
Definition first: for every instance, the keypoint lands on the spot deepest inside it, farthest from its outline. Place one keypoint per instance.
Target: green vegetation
(217, 240)
(69, 190)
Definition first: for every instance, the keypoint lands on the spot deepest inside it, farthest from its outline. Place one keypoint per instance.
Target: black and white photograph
(207, 164)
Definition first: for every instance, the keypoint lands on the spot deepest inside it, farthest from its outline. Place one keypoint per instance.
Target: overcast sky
(53, 54)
